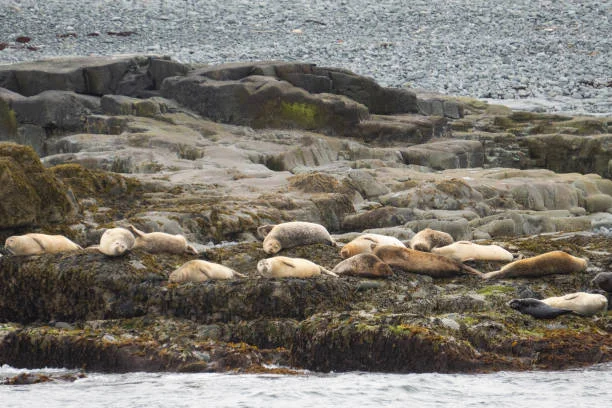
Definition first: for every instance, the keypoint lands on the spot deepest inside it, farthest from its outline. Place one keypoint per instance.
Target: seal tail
(471, 271)
(327, 272)
(191, 250)
(135, 230)
(240, 275)
(491, 275)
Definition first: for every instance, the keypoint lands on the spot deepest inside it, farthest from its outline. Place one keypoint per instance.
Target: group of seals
(365, 242)
(36, 244)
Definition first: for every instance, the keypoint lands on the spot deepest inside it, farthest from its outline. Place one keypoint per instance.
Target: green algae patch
(305, 115)
(496, 290)
(8, 120)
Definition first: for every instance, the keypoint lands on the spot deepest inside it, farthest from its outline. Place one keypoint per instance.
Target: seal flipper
(191, 250)
(241, 275)
(41, 246)
(471, 271)
(135, 230)
(327, 272)
(288, 264)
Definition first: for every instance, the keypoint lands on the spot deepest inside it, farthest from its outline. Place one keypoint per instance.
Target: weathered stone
(125, 105)
(367, 185)
(160, 69)
(56, 110)
(89, 75)
(377, 218)
(265, 102)
(442, 155)
(571, 153)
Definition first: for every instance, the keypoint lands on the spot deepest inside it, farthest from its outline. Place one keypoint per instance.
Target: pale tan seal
(364, 243)
(427, 239)
(550, 263)
(425, 263)
(462, 251)
(285, 267)
(156, 242)
(116, 241)
(586, 304)
(198, 270)
(364, 264)
(35, 244)
(296, 233)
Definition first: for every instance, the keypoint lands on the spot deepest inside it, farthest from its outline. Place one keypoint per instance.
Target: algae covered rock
(30, 194)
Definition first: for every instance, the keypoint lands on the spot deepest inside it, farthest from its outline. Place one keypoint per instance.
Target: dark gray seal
(603, 280)
(536, 308)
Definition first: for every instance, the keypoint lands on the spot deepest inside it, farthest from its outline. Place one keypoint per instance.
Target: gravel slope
(559, 52)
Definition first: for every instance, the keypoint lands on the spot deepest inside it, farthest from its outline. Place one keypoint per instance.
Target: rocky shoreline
(214, 152)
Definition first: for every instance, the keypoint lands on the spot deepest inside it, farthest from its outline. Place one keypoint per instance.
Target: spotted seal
(295, 233)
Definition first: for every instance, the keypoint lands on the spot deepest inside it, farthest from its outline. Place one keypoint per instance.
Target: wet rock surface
(113, 155)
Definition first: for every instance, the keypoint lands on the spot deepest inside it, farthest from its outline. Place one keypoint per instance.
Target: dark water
(590, 387)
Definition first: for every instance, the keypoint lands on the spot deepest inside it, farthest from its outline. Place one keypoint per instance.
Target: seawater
(588, 387)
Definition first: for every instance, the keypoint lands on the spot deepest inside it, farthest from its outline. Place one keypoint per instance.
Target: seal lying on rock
(285, 267)
(34, 244)
(363, 244)
(296, 233)
(424, 263)
(156, 242)
(537, 308)
(603, 280)
(550, 263)
(366, 265)
(462, 251)
(586, 304)
(116, 241)
(198, 270)
(427, 239)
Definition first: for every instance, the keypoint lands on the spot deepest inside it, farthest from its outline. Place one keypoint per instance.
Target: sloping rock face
(262, 102)
(215, 152)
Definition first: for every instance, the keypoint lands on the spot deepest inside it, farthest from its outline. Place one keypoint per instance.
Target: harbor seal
(296, 233)
(550, 263)
(585, 304)
(462, 251)
(285, 267)
(424, 263)
(603, 280)
(364, 243)
(116, 241)
(35, 244)
(198, 270)
(427, 239)
(156, 242)
(537, 308)
(366, 265)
